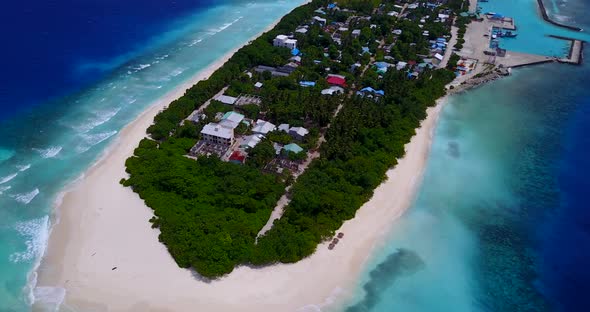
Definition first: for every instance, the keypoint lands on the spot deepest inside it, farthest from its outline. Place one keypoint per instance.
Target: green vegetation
(209, 212)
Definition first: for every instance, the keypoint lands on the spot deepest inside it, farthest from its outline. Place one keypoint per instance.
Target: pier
(576, 49)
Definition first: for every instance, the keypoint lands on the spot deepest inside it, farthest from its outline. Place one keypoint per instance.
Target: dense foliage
(208, 211)
(365, 140)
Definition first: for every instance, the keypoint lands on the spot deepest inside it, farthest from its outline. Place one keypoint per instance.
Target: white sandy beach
(104, 225)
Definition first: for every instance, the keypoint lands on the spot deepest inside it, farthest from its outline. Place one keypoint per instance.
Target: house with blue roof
(369, 91)
(307, 83)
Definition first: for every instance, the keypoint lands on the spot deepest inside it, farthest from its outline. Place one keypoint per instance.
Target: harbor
(484, 44)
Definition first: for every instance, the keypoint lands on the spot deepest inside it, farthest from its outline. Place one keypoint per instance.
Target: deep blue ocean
(501, 221)
(54, 48)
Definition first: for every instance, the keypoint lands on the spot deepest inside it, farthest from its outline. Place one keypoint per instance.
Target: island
(265, 159)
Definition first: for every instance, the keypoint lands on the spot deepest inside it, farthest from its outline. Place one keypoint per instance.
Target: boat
(510, 34)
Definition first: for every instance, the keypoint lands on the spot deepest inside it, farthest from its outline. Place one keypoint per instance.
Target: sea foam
(214, 31)
(22, 168)
(49, 152)
(25, 198)
(89, 140)
(36, 233)
(4, 189)
(8, 178)
(100, 117)
(48, 299)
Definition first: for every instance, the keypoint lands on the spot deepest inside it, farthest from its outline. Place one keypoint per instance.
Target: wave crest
(89, 140)
(36, 234)
(8, 178)
(49, 152)
(26, 198)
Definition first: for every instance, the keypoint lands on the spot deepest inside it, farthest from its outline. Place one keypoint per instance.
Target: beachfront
(111, 255)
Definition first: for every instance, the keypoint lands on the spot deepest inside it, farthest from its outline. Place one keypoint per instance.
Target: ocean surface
(74, 74)
(501, 220)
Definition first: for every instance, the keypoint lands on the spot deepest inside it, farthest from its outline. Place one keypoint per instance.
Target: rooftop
(217, 130)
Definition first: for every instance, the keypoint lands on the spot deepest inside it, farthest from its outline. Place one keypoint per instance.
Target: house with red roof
(336, 80)
(237, 157)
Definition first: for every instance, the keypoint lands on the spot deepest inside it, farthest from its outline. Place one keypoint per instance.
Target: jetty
(575, 54)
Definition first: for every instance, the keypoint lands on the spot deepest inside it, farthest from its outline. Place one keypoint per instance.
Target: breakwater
(549, 20)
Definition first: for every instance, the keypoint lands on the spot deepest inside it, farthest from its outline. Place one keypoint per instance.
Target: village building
(356, 33)
(284, 127)
(263, 127)
(298, 133)
(251, 140)
(333, 90)
(400, 65)
(369, 91)
(217, 134)
(319, 20)
(225, 99)
(307, 83)
(231, 120)
(237, 157)
(302, 30)
(294, 148)
(336, 80)
(284, 42)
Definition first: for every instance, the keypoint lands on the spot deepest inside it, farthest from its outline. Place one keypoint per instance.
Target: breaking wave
(4, 189)
(36, 234)
(100, 118)
(8, 178)
(48, 152)
(89, 140)
(25, 198)
(22, 168)
(214, 31)
(48, 298)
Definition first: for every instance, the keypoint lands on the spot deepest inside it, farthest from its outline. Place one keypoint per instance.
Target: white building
(400, 65)
(333, 90)
(284, 42)
(263, 127)
(298, 132)
(217, 134)
(437, 59)
(356, 33)
(284, 127)
(319, 20)
(226, 99)
(251, 140)
(231, 120)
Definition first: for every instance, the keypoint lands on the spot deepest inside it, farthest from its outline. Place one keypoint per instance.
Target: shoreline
(340, 267)
(104, 254)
